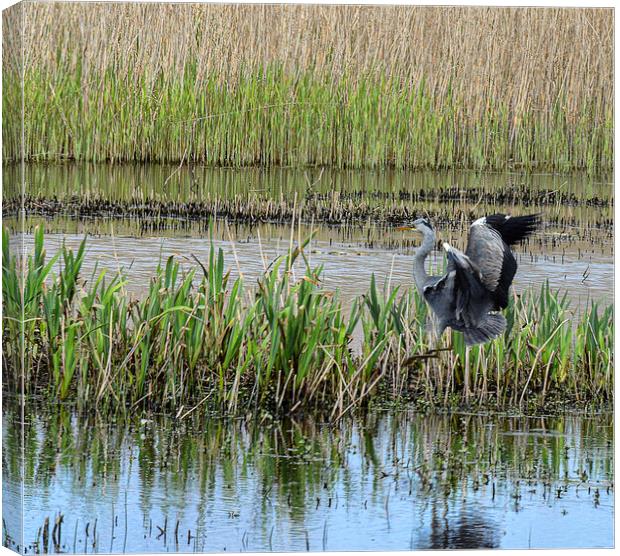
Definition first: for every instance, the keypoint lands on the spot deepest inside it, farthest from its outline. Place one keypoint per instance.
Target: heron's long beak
(405, 228)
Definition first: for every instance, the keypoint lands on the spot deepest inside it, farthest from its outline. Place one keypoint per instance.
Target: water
(347, 267)
(388, 481)
(186, 184)
(573, 250)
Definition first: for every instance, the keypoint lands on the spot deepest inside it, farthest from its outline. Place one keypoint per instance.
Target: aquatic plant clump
(333, 207)
(341, 86)
(285, 344)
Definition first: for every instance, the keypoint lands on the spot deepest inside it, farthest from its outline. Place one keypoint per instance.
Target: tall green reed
(271, 118)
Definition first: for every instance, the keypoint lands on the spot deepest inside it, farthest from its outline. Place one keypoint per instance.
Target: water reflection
(384, 481)
(187, 184)
(574, 250)
(468, 530)
(158, 200)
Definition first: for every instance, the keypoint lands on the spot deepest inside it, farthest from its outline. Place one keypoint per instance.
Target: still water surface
(388, 481)
(573, 249)
(347, 268)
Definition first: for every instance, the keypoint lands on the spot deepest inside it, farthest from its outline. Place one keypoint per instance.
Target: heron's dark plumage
(468, 288)
(427, 223)
(509, 269)
(513, 229)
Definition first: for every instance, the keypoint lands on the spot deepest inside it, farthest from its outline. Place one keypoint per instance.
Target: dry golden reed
(290, 84)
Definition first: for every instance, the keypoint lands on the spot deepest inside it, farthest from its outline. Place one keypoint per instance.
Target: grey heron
(469, 296)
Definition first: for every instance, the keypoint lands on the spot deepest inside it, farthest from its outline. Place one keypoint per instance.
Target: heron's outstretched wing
(488, 247)
(513, 229)
(493, 257)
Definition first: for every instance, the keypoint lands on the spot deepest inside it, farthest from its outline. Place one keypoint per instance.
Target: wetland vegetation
(338, 86)
(283, 344)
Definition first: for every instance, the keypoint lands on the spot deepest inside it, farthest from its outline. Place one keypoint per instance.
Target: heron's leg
(432, 331)
(432, 328)
(466, 381)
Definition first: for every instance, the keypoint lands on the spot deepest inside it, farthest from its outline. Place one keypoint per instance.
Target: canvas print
(306, 277)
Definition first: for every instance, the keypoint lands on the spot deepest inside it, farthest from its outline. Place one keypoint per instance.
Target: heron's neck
(419, 257)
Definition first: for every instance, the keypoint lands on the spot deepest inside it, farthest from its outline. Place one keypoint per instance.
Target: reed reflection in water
(157, 210)
(390, 480)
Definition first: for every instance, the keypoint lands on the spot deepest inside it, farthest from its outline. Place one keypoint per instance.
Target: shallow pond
(347, 268)
(573, 249)
(392, 480)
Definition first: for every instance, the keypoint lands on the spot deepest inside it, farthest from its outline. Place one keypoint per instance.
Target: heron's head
(422, 225)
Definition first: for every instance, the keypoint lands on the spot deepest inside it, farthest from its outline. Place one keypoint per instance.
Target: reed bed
(285, 344)
(345, 86)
